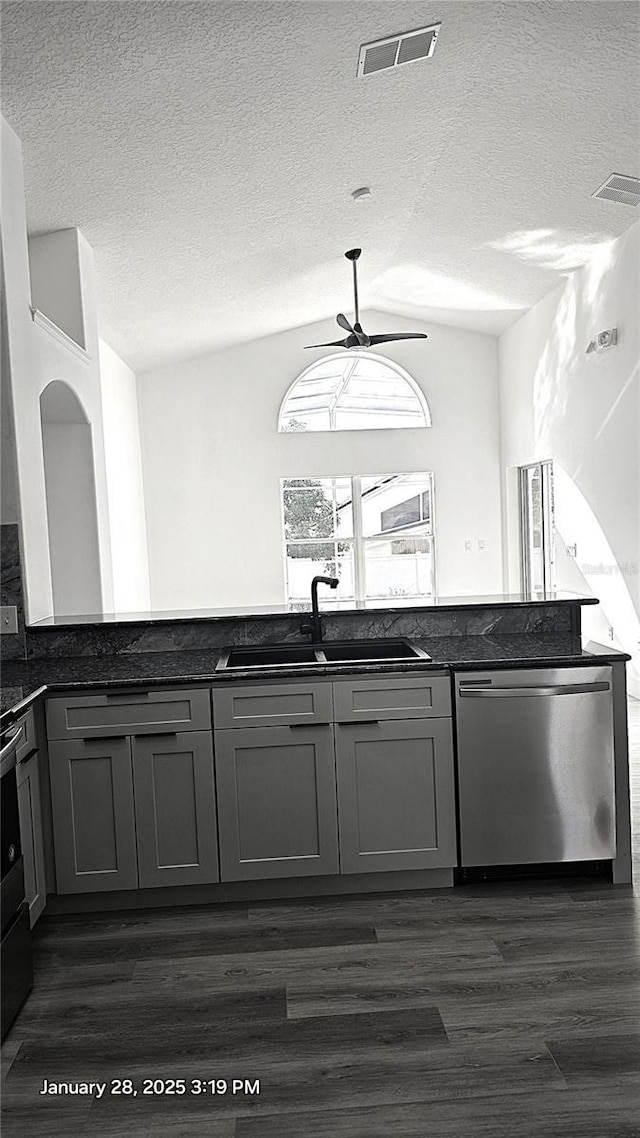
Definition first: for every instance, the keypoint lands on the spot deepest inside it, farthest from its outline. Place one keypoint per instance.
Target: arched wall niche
(72, 518)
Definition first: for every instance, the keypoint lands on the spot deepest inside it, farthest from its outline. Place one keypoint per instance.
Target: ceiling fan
(357, 338)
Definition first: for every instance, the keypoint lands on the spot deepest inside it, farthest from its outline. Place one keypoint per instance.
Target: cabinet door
(31, 836)
(396, 802)
(175, 809)
(93, 821)
(276, 802)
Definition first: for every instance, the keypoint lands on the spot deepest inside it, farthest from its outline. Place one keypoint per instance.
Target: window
(353, 391)
(374, 533)
(537, 528)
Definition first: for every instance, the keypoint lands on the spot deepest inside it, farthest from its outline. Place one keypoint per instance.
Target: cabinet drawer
(276, 705)
(407, 698)
(28, 741)
(131, 712)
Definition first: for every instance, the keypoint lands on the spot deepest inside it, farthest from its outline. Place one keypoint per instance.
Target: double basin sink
(331, 652)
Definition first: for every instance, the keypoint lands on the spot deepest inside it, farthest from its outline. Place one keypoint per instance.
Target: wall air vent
(405, 47)
(619, 188)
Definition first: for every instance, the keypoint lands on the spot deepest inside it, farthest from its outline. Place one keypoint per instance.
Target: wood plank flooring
(487, 1011)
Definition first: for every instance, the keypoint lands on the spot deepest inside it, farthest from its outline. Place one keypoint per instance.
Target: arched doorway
(74, 550)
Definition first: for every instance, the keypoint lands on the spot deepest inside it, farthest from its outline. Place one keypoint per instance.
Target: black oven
(14, 909)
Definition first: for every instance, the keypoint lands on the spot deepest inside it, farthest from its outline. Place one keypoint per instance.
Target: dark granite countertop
(327, 604)
(23, 681)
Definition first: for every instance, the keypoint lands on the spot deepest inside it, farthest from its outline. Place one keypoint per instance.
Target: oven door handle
(8, 752)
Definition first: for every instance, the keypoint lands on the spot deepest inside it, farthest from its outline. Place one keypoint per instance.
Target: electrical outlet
(611, 635)
(481, 544)
(467, 546)
(8, 618)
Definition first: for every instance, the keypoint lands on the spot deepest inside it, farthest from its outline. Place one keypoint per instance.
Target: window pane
(304, 562)
(317, 507)
(398, 567)
(394, 501)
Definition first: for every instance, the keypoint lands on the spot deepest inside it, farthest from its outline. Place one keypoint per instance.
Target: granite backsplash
(12, 644)
(217, 634)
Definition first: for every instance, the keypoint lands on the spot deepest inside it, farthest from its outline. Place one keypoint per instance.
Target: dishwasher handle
(482, 692)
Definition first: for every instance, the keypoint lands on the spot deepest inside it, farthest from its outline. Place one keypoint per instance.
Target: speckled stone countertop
(23, 681)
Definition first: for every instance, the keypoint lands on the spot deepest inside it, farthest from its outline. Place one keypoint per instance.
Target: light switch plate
(8, 618)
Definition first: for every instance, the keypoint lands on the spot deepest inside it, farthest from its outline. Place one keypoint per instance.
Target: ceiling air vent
(619, 188)
(406, 47)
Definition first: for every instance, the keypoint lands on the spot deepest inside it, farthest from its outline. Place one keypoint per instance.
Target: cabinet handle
(303, 726)
(524, 690)
(358, 723)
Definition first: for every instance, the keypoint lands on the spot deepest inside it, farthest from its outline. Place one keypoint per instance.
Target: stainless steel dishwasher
(535, 765)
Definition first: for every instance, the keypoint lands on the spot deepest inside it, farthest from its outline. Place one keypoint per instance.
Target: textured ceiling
(208, 151)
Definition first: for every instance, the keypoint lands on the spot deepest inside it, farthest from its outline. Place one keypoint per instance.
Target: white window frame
(358, 539)
(352, 357)
(544, 469)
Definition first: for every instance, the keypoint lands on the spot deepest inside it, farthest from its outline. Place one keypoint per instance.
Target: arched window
(353, 391)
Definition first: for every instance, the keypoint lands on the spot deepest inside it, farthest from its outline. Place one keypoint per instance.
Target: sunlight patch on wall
(606, 579)
(554, 249)
(413, 285)
(551, 381)
(595, 270)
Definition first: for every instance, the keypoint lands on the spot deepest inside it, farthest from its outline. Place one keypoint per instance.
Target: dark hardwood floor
(488, 1011)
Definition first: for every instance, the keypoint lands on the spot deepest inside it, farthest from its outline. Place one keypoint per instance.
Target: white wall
(212, 462)
(9, 508)
(582, 411)
(35, 359)
(56, 288)
(124, 483)
(71, 510)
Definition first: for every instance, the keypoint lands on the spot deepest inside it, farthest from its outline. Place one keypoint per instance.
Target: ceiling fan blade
(398, 336)
(343, 322)
(333, 344)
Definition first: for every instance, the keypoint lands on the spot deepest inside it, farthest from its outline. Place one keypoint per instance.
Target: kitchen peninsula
(325, 777)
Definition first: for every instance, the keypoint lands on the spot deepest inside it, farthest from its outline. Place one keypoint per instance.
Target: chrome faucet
(314, 626)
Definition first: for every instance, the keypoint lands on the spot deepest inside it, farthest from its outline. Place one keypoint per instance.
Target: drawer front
(276, 705)
(128, 713)
(28, 741)
(362, 699)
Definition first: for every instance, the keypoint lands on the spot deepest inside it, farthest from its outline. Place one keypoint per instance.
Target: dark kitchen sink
(269, 656)
(329, 652)
(369, 650)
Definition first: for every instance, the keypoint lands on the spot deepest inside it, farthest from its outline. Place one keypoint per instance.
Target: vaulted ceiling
(208, 151)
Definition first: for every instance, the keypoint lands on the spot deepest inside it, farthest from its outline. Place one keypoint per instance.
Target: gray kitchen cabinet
(93, 816)
(175, 808)
(364, 698)
(272, 704)
(276, 794)
(31, 835)
(396, 799)
(133, 712)
(133, 797)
